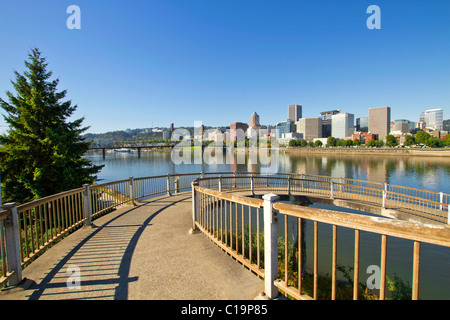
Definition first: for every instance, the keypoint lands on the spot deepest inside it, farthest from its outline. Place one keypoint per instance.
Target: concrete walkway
(140, 253)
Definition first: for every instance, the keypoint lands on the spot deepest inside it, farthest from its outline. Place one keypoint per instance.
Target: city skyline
(161, 62)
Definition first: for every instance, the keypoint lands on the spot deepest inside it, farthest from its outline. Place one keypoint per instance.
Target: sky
(141, 64)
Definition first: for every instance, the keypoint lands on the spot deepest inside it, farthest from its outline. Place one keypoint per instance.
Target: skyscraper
(326, 121)
(254, 120)
(380, 121)
(284, 127)
(295, 112)
(342, 125)
(433, 118)
(362, 124)
(311, 128)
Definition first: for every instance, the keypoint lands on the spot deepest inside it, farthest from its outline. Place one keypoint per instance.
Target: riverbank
(375, 151)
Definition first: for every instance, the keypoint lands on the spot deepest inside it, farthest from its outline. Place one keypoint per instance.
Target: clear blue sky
(134, 63)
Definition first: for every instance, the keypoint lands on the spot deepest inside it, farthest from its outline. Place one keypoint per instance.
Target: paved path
(142, 252)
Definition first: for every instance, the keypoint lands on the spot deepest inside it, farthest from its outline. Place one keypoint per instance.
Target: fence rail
(27, 230)
(247, 228)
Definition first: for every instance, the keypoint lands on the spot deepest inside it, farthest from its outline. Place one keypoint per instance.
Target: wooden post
(252, 185)
(12, 244)
(441, 198)
(270, 245)
(220, 183)
(87, 206)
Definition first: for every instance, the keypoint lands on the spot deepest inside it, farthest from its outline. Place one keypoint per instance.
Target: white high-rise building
(342, 125)
(433, 118)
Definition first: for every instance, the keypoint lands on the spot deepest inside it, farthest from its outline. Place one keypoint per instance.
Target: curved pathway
(140, 253)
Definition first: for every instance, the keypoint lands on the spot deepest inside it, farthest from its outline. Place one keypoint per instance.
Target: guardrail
(247, 228)
(29, 229)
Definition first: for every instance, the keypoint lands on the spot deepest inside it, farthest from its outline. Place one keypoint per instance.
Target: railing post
(332, 189)
(441, 200)
(234, 179)
(12, 244)
(131, 191)
(220, 183)
(168, 185)
(194, 204)
(383, 204)
(289, 185)
(252, 184)
(87, 206)
(177, 185)
(270, 245)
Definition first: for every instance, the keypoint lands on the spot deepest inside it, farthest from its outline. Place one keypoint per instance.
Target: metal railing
(27, 230)
(247, 227)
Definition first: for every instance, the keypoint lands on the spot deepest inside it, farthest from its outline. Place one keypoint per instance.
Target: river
(430, 173)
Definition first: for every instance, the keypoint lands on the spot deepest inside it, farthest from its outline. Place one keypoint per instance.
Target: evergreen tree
(42, 151)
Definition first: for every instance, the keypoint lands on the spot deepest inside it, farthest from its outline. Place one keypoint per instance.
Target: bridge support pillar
(104, 153)
(13, 259)
(270, 245)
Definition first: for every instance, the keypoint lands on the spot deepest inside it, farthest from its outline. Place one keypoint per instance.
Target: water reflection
(431, 173)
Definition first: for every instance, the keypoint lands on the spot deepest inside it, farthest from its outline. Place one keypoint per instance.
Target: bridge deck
(143, 252)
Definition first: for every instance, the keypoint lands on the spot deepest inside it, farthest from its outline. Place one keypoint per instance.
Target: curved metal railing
(247, 228)
(42, 222)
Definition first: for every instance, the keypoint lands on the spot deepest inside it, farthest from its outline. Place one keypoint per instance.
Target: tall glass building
(342, 125)
(433, 118)
(284, 127)
(362, 124)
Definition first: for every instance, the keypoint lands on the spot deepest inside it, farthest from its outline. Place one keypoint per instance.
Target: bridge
(138, 148)
(129, 239)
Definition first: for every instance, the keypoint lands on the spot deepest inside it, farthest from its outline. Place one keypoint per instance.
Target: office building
(254, 120)
(342, 125)
(403, 126)
(295, 112)
(433, 118)
(362, 124)
(238, 131)
(311, 128)
(284, 127)
(380, 121)
(326, 122)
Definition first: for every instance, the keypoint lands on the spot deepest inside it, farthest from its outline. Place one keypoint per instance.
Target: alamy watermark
(233, 147)
(74, 279)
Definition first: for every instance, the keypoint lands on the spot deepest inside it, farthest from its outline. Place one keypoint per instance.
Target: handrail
(44, 221)
(226, 218)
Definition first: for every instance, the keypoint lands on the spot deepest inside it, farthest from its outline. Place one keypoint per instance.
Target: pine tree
(41, 152)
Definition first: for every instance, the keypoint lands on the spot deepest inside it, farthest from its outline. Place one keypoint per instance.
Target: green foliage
(331, 142)
(421, 137)
(447, 140)
(41, 152)
(374, 143)
(391, 140)
(409, 140)
(400, 289)
(318, 143)
(434, 142)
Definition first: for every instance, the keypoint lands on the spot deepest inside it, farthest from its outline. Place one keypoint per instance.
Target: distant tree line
(421, 138)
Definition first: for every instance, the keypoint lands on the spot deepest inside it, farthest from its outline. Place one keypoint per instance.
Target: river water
(430, 173)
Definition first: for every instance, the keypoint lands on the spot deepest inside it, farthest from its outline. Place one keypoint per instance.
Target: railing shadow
(108, 251)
